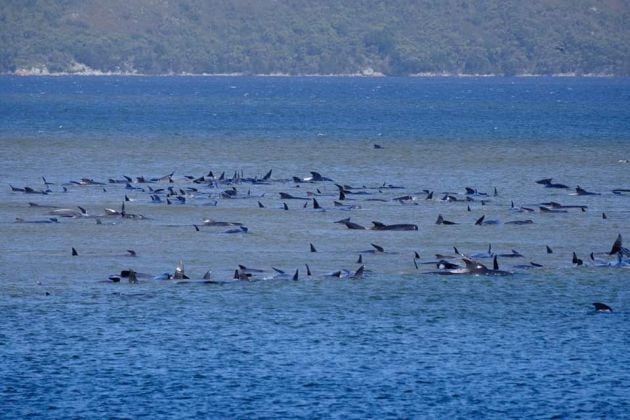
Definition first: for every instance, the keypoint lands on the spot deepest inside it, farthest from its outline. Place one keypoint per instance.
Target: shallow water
(398, 343)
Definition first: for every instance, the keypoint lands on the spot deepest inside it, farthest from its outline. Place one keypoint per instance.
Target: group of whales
(210, 190)
(471, 267)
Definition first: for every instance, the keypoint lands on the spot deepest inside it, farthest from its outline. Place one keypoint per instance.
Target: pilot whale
(69, 212)
(581, 191)
(440, 221)
(316, 177)
(179, 272)
(377, 250)
(287, 196)
(475, 268)
(617, 247)
(548, 184)
(602, 307)
(396, 227)
(481, 221)
(350, 225)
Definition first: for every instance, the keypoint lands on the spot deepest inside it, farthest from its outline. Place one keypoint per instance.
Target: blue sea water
(399, 342)
(289, 108)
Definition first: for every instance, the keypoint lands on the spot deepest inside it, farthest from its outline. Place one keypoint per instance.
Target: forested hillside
(393, 37)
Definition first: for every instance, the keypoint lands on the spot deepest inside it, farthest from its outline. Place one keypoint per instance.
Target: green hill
(394, 37)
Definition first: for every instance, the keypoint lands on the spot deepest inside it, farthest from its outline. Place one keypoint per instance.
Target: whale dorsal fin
(378, 248)
(132, 277)
(602, 307)
(617, 245)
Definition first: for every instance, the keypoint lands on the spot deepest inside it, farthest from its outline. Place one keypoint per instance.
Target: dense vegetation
(397, 37)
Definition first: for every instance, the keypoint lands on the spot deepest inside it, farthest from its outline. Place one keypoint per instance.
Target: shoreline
(34, 72)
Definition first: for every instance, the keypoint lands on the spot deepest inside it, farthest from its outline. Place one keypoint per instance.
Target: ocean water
(398, 342)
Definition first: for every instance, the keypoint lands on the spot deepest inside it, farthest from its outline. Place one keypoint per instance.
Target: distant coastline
(363, 74)
(326, 38)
